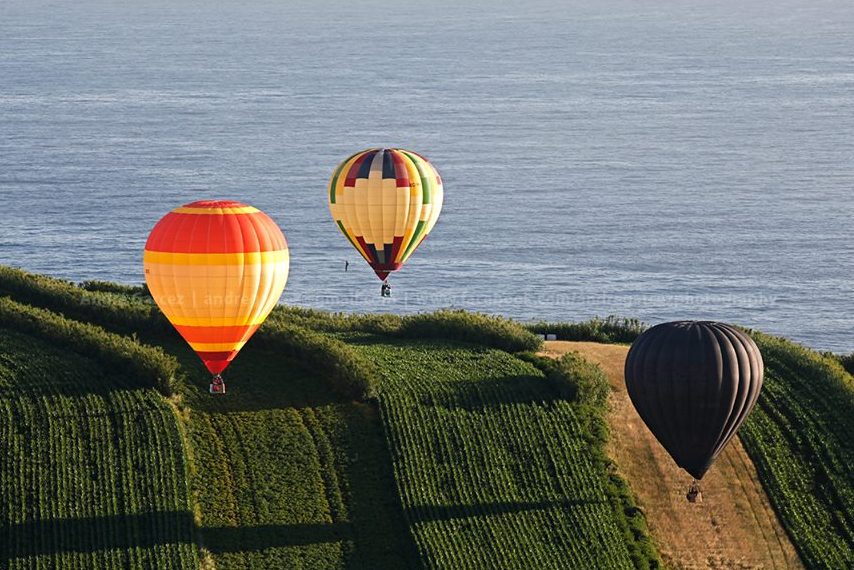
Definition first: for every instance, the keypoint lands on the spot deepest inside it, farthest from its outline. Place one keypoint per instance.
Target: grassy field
(292, 470)
(493, 470)
(288, 476)
(366, 442)
(93, 470)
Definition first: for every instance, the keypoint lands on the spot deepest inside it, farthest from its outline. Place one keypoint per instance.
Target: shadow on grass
(255, 538)
(258, 379)
(45, 537)
(48, 537)
(427, 513)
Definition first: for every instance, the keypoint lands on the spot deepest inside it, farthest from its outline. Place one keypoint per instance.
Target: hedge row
(147, 366)
(349, 373)
(116, 288)
(115, 312)
(474, 328)
(611, 329)
(384, 324)
(128, 310)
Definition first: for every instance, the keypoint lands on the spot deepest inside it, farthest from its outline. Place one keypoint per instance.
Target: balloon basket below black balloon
(694, 495)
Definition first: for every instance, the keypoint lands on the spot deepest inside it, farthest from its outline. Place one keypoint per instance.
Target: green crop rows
(457, 457)
(286, 473)
(92, 471)
(492, 470)
(801, 438)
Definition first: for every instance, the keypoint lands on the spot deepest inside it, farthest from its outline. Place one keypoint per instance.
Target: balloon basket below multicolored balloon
(694, 494)
(217, 385)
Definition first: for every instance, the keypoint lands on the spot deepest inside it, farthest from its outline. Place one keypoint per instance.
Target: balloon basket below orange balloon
(217, 386)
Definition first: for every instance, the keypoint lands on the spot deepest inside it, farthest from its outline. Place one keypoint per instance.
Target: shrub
(116, 288)
(475, 328)
(348, 372)
(149, 366)
(611, 329)
(573, 378)
(847, 361)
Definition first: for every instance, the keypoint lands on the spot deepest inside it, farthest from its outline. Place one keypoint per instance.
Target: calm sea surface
(653, 159)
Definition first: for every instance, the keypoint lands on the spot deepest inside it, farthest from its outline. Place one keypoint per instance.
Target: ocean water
(663, 160)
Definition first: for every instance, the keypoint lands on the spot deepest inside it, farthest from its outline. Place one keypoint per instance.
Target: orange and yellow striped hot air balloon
(216, 268)
(385, 201)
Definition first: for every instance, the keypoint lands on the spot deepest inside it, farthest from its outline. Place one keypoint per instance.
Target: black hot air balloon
(693, 384)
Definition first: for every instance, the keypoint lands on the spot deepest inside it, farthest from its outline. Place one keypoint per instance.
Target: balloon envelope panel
(216, 269)
(693, 384)
(385, 201)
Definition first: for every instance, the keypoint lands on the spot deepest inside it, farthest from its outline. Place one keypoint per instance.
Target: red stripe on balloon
(400, 171)
(216, 362)
(216, 233)
(352, 174)
(395, 246)
(235, 333)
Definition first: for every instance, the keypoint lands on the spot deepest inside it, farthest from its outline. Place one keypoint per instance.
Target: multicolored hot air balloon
(693, 384)
(385, 201)
(216, 268)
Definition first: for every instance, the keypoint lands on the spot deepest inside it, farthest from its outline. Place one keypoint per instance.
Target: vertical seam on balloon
(401, 202)
(413, 211)
(270, 284)
(347, 210)
(716, 382)
(234, 221)
(429, 204)
(667, 426)
(383, 201)
(723, 435)
(193, 222)
(251, 228)
(212, 222)
(362, 217)
(416, 215)
(334, 181)
(437, 198)
(375, 221)
(274, 278)
(746, 405)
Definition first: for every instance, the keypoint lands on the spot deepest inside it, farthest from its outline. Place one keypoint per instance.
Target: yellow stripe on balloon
(217, 321)
(216, 346)
(250, 257)
(223, 211)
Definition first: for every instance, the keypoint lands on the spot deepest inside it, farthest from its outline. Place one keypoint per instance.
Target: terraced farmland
(282, 473)
(92, 467)
(492, 470)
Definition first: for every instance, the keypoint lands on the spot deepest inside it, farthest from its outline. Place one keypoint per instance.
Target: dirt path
(734, 527)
